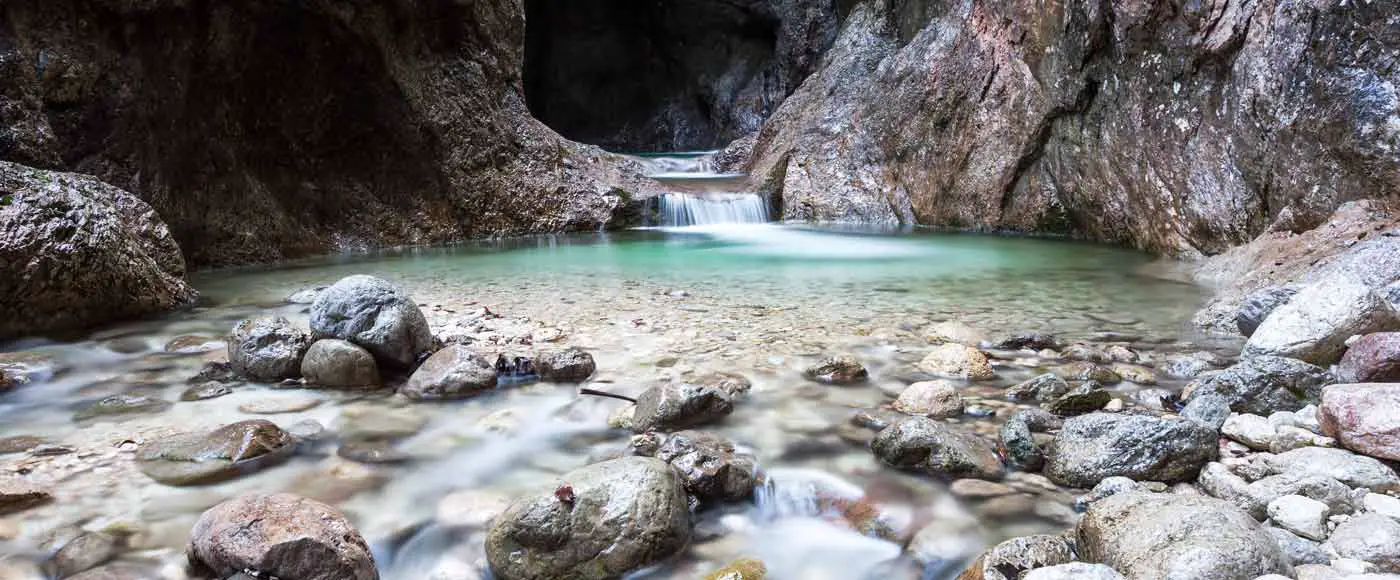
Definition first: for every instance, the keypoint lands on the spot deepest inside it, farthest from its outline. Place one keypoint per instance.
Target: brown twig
(598, 393)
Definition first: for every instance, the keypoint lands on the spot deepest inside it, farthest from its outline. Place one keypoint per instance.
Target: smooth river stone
(226, 452)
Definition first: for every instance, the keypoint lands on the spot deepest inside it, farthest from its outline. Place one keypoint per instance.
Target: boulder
(1264, 384)
(1369, 537)
(1364, 418)
(1300, 551)
(1074, 571)
(1148, 536)
(281, 536)
(1086, 398)
(1092, 447)
(599, 522)
(339, 364)
(841, 370)
(1038, 388)
(1259, 304)
(85, 552)
(1339, 464)
(1252, 430)
(1315, 325)
(922, 444)
(1219, 481)
(670, 407)
(1011, 559)
(709, 466)
(957, 361)
(567, 366)
(451, 373)
(1303, 516)
(1373, 358)
(935, 399)
(1018, 446)
(79, 253)
(267, 349)
(225, 453)
(376, 315)
(1209, 409)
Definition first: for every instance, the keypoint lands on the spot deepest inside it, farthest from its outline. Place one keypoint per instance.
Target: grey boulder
(267, 349)
(339, 364)
(1099, 445)
(567, 366)
(451, 373)
(1369, 537)
(1315, 325)
(376, 315)
(922, 444)
(709, 466)
(670, 407)
(1263, 385)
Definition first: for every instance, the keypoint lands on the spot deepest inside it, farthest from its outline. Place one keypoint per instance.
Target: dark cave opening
(650, 75)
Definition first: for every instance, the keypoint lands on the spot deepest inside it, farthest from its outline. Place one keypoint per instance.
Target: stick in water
(598, 393)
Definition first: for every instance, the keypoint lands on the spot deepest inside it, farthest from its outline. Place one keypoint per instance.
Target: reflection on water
(762, 300)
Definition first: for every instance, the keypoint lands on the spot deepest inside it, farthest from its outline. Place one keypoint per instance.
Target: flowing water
(668, 304)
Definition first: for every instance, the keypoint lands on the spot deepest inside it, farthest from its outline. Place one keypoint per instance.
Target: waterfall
(699, 194)
(681, 209)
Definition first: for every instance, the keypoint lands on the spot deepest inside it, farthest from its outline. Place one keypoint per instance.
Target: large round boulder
(374, 314)
(596, 523)
(1263, 385)
(922, 444)
(1149, 536)
(451, 373)
(76, 253)
(1364, 418)
(339, 364)
(226, 452)
(267, 349)
(279, 536)
(1140, 447)
(1315, 325)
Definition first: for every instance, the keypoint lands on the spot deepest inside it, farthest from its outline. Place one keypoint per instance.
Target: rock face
(249, 163)
(374, 314)
(1264, 384)
(922, 444)
(451, 373)
(229, 451)
(1316, 324)
(267, 349)
(282, 536)
(1364, 418)
(1150, 536)
(1092, 447)
(76, 252)
(1372, 358)
(339, 364)
(596, 523)
(945, 113)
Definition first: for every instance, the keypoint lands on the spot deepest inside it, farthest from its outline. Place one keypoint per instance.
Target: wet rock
(1087, 371)
(1265, 384)
(471, 507)
(1038, 420)
(922, 444)
(957, 361)
(194, 343)
(267, 349)
(339, 364)
(17, 495)
(119, 405)
(1018, 446)
(841, 370)
(567, 366)
(78, 253)
(1374, 358)
(1011, 559)
(598, 522)
(1122, 354)
(1074, 571)
(733, 383)
(1259, 304)
(1315, 325)
(371, 452)
(1339, 464)
(1372, 538)
(1084, 352)
(1299, 551)
(372, 422)
(213, 371)
(876, 419)
(1085, 398)
(1209, 409)
(742, 569)
(85, 552)
(979, 488)
(1039, 388)
(451, 373)
(1134, 374)
(1364, 418)
(19, 443)
(1151, 536)
(282, 536)
(373, 314)
(934, 399)
(1028, 341)
(670, 407)
(1092, 447)
(225, 453)
(280, 405)
(7, 382)
(206, 391)
(709, 467)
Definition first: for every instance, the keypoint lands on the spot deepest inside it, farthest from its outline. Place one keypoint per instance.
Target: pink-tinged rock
(1363, 417)
(1372, 358)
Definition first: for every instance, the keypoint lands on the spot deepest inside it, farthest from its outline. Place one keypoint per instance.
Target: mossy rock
(741, 569)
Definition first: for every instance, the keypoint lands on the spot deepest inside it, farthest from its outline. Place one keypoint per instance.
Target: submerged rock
(1150, 536)
(670, 407)
(922, 444)
(17, 495)
(1259, 304)
(119, 405)
(934, 399)
(225, 453)
(1264, 384)
(1364, 418)
(376, 315)
(841, 370)
(85, 552)
(709, 467)
(451, 373)
(1315, 325)
(1085, 398)
(1374, 358)
(267, 349)
(205, 391)
(281, 536)
(957, 361)
(596, 523)
(567, 366)
(339, 364)
(1099, 445)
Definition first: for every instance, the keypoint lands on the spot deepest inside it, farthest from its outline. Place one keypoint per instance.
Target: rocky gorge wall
(1178, 127)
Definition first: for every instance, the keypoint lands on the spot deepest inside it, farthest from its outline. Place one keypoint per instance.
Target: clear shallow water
(659, 305)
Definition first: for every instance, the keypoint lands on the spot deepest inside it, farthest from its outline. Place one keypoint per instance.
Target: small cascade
(683, 209)
(700, 195)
